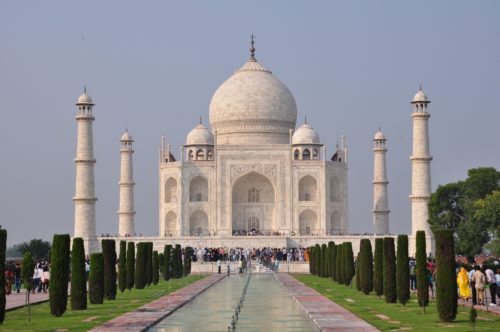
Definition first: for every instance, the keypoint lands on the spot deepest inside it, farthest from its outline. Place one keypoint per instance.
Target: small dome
(305, 135)
(379, 135)
(126, 136)
(200, 135)
(420, 97)
(84, 99)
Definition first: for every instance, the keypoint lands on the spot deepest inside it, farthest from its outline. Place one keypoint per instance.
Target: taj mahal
(252, 177)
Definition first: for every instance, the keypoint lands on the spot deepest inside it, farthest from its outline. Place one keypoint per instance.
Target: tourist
(240, 266)
(45, 278)
(228, 267)
(17, 278)
(219, 263)
(36, 278)
(463, 284)
(490, 278)
(472, 285)
(413, 275)
(497, 278)
(480, 282)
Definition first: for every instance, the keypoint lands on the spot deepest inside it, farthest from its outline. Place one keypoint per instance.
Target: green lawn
(397, 317)
(96, 314)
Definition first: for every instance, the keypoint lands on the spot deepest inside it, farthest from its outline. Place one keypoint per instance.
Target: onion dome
(379, 135)
(252, 107)
(420, 97)
(200, 135)
(305, 135)
(84, 98)
(126, 136)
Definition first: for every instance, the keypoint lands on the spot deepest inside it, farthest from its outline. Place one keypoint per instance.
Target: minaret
(126, 210)
(421, 168)
(85, 192)
(380, 197)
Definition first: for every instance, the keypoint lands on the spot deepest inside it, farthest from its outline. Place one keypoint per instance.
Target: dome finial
(305, 119)
(201, 121)
(252, 48)
(84, 89)
(420, 87)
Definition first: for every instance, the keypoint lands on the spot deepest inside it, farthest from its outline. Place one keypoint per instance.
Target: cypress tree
(311, 260)
(403, 270)
(389, 268)
(149, 263)
(178, 261)
(109, 256)
(59, 276)
(155, 268)
(349, 263)
(338, 264)
(446, 281)
(357, 267)
(324, 267)
(378, 264)
(122, 267)
(140, 266)
(187, 260)
(327, 262)
(421, 269)
(3, 247)
(366, 267)
(317, 259)
(78, 276)
(167, 254)
(130, 273)
(160, 262)
(27, 270)
(96, 279)
(334, 262)
(331, 261)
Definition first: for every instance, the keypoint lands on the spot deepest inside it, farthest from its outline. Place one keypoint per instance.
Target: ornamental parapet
(425, 115)
(381, 211)
(380, 182)
(426, 159)
(126, 184)
(85, 161)
(126, 212)
(84, 199)
(85, 117)
(420, 197)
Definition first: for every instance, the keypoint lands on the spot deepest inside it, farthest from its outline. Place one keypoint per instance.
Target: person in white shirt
(490, 278)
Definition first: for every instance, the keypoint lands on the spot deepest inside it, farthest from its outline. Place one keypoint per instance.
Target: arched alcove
(171, 191)
(198, 223)
(308, 188)
(308, 223)
(198, 189)
(170, 224)
(335, 222)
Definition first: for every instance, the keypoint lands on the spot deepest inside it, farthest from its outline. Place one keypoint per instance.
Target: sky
(152, 67)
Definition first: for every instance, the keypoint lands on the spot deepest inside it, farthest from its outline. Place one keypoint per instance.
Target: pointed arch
(335, 222)
(200, 155)
(306, 154)
(308, 189)
(171, 190)
(198, 223)
(296, 154)
(308, 222)
(335, 194)
(198, 189)
(170, 224)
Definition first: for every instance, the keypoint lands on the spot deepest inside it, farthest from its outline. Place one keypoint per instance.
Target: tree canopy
(470, 209)
(38, 248)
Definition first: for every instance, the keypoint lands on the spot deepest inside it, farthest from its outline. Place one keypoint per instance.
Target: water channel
(267, 306)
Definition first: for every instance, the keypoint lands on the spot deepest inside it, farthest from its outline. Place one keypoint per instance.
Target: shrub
(446, 281)
(109, 256)
(357, 264)
(130, 273)
(421, 267)
(155, 268)
(3, 247)
(161, 260)
(331, 260)
(96, 279)
(27, 270)
(324, 266)
(78, 276)
(187, 260)
(348, 263)
(167, 262)
(403, 270)
(317, 259)
(378, 264)
(149, 263)
(59, 276)
(389, 268)
(122, 267)
(140, 266)
(177, 262)
(311, 260)
(338, 264)
(366, 267)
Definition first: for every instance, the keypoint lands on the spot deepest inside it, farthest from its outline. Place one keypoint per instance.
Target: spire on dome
(252, 48)
(201, 121)
(305, 119)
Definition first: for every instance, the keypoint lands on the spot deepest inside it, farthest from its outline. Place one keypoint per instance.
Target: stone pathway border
(151, 313)
(18, 300)
(326, 314)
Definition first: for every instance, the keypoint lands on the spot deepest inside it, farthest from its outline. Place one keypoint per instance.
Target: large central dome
(253, 107)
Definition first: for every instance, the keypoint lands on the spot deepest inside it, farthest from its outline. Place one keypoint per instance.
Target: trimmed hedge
(155, 268)
(149, 263)
(161, 261)
(27, 269)
(378, 266)
(130, 273)
(334, 262)
(59, 276)
(358, 262)
(317, 259)
(167, 262)
(366, 267)
(390, 291)
(122, 267)
(109, 256)
(311, 260)
(140, 265)
(446, 280)
(177, 262)
(403, 270)
(78, 276)
(96, 279)
(421, 267)
(348, 263)
(3, 247)
(187, 260)
(338, 264)
(331, 245)
(324, 264)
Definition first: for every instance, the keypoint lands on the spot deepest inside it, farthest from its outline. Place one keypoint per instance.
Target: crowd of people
(473, 280)
(39, 281)
(235, 254)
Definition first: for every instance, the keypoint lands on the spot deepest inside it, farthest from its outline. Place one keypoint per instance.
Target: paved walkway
(326, 314)
(17, 300)
(151, 313)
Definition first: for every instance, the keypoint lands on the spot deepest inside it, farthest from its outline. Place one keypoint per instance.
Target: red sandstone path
(17, 300)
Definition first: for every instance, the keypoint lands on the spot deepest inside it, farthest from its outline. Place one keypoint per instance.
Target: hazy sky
(153, 66)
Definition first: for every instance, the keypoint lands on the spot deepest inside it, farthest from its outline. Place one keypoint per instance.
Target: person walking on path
(17, 278)
(490, 278)
(463, 284)
(473, 284)
(480, 282)
(219, 263)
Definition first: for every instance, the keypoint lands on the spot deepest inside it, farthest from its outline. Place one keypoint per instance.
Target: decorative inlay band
(421, 158)
(85, 161)
(269, 170)
(420, 198)
(84, 199)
